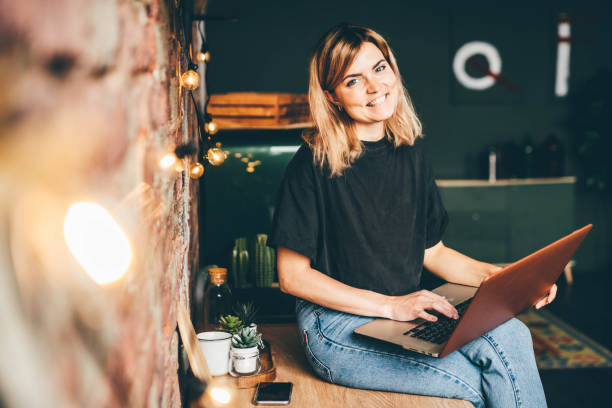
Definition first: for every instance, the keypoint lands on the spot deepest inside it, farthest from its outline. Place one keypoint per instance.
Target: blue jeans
(497, 369)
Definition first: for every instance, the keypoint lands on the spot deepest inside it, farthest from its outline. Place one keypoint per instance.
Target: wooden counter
(310, 392)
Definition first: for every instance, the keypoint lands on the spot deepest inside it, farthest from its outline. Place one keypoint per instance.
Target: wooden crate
(244, 109)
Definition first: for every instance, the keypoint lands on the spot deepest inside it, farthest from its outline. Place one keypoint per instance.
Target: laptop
(504, 295)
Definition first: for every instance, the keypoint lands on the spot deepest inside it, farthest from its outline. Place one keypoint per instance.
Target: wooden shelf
(241, 126)
(505, 182)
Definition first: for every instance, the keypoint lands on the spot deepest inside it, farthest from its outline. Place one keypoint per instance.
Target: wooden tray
(267, 373)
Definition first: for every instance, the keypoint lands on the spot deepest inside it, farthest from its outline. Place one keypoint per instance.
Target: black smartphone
(273, 393)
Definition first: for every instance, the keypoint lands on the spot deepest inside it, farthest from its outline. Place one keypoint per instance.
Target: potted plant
(244, 352)
(246, 312)
(230, 324)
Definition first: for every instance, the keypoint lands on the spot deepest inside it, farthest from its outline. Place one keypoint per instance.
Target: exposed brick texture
(89, 101)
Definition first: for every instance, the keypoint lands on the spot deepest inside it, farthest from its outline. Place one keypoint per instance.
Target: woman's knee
(513, 330)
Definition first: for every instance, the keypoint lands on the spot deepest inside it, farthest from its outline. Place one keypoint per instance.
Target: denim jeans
(497, 369)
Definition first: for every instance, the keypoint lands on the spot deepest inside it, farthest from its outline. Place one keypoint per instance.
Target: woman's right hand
(414, 305)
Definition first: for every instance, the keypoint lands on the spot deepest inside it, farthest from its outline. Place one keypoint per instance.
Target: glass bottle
(528, 152)
(217, 298)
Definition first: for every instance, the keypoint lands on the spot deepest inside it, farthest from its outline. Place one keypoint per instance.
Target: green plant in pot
(231, 324)
(246, 312)
(244, 353)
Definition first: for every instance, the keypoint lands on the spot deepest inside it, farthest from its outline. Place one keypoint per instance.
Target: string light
(168, 160)
(215, 156)
(211, 127)
(97, 242)
(203, 57)
(196, 171)
(190, 80)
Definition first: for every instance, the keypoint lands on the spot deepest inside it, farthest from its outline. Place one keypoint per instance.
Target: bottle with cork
(217, 298)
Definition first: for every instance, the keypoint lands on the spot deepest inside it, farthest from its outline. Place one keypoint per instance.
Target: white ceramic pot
(216, 347)
(244, 361)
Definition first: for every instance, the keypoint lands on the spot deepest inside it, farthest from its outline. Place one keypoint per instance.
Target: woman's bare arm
(296, 277)
(455, 267)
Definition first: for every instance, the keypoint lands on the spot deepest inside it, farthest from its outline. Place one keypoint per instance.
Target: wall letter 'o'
(467, 51)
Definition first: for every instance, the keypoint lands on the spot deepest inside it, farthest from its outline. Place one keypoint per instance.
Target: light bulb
(190, 80)
(168, 160)
(203, 56)
(97, 242)
(250, 169)
(220, 395)
(211, 127)
(196, 170)
(215, 156)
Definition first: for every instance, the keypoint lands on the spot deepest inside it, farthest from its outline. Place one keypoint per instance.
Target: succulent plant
(246, 312)
(247, 337)
(231, 324)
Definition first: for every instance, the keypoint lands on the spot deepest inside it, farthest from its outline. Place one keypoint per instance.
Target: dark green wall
(267, 50)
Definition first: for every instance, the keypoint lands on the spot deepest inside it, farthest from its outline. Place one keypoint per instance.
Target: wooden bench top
(310, 392)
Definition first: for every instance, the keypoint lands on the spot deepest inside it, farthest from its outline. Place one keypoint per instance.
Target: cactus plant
(234, 269)
(255, 266)
(231, 324)
(264, 264)
(240, 263)
(243, 268)
(270, 263)
(246, 312)
(246, 338)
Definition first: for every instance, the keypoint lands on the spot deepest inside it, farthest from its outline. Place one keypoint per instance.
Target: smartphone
(273, 393)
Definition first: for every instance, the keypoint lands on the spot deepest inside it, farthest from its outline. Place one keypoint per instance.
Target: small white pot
(216, 346)
(244, 361)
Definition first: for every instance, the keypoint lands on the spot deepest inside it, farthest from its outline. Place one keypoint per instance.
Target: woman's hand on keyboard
(414, 305)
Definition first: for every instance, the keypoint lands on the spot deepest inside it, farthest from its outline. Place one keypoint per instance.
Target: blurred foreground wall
(89, 101)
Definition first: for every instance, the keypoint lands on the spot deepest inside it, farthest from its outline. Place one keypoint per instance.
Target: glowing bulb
(218, 144)
(244, 160)
(190, 80)
(196, 170)
(250, 169)
(203, 56)
(220, 395)
(168, 160)
(211, 128)
(97, 242)
(238, 155)
(215, 156)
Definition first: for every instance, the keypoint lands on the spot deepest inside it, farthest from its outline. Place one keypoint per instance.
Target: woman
(358, 217)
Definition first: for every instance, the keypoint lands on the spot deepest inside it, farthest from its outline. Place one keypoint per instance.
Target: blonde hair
(333, 140)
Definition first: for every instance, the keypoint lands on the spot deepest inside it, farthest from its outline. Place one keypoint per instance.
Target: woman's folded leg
(497, 369)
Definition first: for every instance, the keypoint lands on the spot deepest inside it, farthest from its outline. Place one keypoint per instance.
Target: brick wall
(89, 101)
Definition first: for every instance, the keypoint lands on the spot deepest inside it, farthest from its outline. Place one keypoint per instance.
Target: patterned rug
(559, 346)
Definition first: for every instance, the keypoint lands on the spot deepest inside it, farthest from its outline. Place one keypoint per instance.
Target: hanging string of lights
(190, 80)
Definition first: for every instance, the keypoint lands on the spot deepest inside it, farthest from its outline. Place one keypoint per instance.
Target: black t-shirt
(369, 227)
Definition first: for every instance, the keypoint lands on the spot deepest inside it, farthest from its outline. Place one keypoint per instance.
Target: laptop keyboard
(438, 332)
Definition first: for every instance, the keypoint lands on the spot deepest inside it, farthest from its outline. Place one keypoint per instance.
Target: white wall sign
(474, 48)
